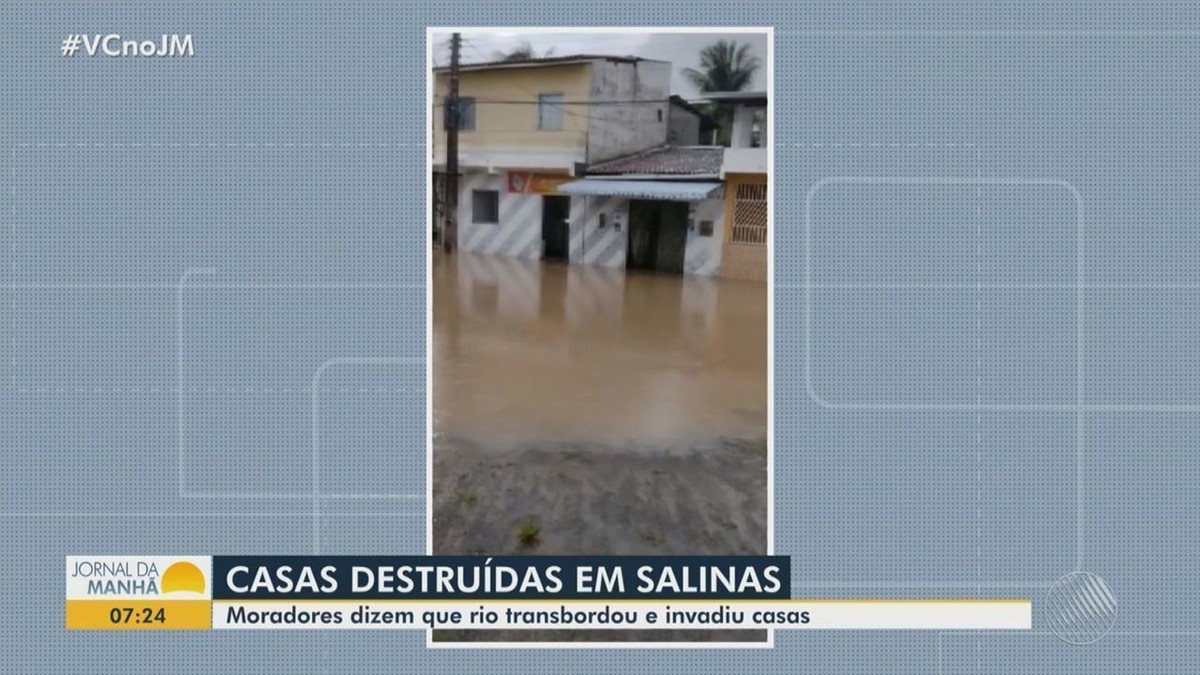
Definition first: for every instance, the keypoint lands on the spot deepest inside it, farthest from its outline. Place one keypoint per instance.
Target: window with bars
(750, 214)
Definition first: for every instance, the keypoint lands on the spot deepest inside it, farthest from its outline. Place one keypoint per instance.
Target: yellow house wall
(509, 125)
(741, 261)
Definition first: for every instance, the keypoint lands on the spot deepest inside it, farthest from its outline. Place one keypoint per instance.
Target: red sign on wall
(528, 182)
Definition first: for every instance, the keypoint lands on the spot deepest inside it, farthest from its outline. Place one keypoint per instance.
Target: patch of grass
(529, 533)
(467, 497)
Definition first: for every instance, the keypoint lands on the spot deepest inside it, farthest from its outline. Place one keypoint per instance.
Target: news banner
(504, 592)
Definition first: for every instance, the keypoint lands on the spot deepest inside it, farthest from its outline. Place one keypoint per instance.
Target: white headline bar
(875, 614)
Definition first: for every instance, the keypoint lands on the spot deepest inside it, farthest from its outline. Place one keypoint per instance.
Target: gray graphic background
(986, 374)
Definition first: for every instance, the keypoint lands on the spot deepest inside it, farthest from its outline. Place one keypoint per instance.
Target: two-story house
(745, 169)
(527, 127)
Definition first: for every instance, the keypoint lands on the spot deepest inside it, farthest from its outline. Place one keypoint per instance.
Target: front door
(643, 239)
(556, 212)
(657, 235)
(672, 236)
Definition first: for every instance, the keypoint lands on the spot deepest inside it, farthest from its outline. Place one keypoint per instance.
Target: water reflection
(525, 351)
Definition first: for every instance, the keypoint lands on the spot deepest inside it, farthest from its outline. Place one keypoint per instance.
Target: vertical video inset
(600, 279)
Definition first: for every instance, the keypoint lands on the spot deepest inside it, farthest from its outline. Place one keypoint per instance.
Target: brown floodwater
(527, 351)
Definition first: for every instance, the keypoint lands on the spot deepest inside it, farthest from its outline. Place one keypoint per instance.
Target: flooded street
(587, 411)
(526, 352)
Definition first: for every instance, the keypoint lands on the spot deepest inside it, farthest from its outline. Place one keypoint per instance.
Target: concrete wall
(518, 233)
(683, 127)
(743, 126)
(702, 257)
(593, 245)
(621, 129)
(607, 246)
(744, 160)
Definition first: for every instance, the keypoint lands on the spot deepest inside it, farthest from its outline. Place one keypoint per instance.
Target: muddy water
(525, 351)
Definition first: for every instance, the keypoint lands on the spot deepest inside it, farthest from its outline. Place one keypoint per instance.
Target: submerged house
(571, 158)
(660, 209)
(526, 127)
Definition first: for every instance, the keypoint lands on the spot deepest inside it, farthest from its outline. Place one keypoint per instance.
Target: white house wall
(607, 247)
(519, 232)
(743, 126)
(593, 245)
(702, 256)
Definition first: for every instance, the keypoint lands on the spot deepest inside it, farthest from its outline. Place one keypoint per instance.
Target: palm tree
(522, 52)
(724, 66)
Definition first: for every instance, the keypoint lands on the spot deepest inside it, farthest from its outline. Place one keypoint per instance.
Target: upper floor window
(466, 113)
(550, 112)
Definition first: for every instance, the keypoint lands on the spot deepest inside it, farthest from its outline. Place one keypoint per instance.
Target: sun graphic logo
(182, 576)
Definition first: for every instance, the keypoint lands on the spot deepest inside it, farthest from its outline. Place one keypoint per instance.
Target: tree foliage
(724, 66)
(522, 52)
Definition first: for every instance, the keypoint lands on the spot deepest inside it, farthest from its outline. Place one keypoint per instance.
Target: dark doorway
(657, 235)
(556, 211)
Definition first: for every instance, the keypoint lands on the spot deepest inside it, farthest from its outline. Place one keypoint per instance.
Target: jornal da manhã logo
(138, 577)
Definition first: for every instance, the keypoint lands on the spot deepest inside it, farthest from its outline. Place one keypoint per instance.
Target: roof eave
(546, 62)
(655, 176)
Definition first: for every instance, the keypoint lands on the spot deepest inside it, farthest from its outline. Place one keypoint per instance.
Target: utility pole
(450, 231)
